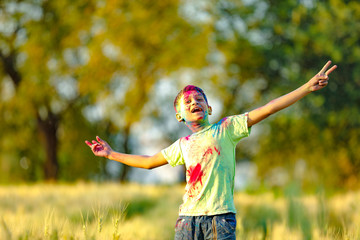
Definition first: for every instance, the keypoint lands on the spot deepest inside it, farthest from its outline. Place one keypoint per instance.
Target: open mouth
(196, 109)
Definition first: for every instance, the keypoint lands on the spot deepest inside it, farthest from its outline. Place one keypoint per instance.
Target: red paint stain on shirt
(217, 150)
(195, 180)
(195, 174)
(209, 151)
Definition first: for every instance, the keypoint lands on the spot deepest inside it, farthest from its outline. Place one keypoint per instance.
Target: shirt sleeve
(173, 154)
(237, 127)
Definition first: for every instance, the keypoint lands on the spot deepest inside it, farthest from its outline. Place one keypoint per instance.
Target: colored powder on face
(183, 92)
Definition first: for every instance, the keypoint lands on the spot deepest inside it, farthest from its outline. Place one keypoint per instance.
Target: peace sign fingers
(323, 71)
(330, 70)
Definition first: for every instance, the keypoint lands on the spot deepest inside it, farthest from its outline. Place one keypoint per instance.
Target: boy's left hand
(320, 80)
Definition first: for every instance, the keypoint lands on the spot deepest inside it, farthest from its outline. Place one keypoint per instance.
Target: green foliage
(298, 218)
(96, 72)
(56, 71)
(139, 206)
(260, 218)
(296, 40)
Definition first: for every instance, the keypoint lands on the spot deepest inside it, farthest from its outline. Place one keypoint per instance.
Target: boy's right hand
(100, 148)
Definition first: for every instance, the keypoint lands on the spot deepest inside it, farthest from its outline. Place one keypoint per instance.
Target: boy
(208, 210)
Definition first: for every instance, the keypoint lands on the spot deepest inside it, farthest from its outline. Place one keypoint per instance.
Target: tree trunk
(9, 67)
(48, 128)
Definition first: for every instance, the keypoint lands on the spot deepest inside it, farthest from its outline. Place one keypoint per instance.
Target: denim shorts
(206, 227)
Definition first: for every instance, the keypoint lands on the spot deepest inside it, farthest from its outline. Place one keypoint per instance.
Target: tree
(144, 48)
(109, 52)
(293, 40)
(31, 50)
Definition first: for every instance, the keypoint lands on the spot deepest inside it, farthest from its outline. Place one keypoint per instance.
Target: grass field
(130, 211)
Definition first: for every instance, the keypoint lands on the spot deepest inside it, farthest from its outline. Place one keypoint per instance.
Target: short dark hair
(187, 89)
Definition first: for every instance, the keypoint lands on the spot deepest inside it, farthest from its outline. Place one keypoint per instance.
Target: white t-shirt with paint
(209, 158)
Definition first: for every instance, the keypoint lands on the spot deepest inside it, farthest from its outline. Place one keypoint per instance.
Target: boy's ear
(179, 117)
(209, 110)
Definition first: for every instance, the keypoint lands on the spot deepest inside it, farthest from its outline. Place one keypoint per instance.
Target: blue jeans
(206, 227)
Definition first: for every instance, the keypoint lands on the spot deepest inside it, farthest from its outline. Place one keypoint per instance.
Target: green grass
(117, 211)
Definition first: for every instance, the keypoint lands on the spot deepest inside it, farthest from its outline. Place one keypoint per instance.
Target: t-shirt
(209, 158)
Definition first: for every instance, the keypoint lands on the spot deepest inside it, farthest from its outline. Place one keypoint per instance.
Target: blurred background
(74, 69)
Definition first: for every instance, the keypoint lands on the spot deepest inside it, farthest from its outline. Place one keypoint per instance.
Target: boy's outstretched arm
(101, 148)
(318, 82)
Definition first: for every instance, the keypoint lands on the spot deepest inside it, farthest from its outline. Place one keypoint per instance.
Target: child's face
(193, 107)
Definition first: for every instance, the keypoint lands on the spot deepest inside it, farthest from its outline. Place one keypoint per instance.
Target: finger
(88, 143)
(94, 142)
(331, 69)
(322, 71)
(99, 140)
(323, 82)
(321, 76)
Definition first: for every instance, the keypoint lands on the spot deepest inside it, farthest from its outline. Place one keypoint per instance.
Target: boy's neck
(197, 126)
